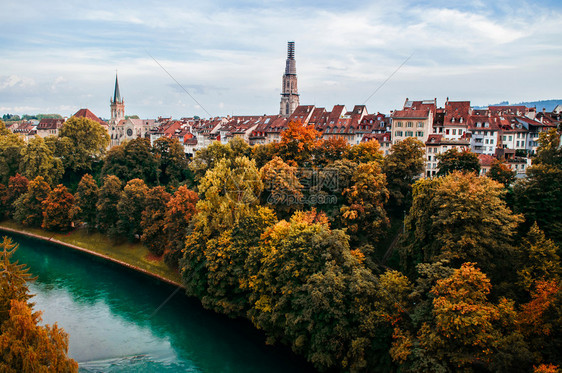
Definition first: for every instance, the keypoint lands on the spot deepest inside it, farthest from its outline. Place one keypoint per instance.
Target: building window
(409, 133)
(398, 133)
(420, 124)
(419, 133)
(398, 124)
(409, 124)
(454, 131)
(510, 138)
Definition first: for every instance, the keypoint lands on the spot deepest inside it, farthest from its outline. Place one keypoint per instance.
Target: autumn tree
(17, 186)
(58, 209)
(179, 211)
(25, 346)
(206, 158)
(453, 160)
(539, 195)
(402, 167)
(11, 146)
(264, 153)
(130, 208)
(368, 151)
(171, 160)
(460, 217)
(330, 150)
(501, 173)
(282, 189)
(86, 198)
(29, 206)
(109, 196)
(87, 141)
(38, 160)
(364, 213)
(153, 220)
(297, 143)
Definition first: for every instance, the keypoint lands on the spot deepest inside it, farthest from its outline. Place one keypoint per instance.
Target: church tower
(290, 92)
(117, 105)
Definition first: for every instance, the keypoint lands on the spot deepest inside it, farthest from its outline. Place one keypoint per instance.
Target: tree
(369, 151)
(130, 208)
(460, 218)
(402, 167)
(38, 160)
(58, 209)
(17, 186)
(88, 140)
(501, 173)
(281, 185)
(11, 146)
(86, 198)
(364, 212)
(29, 207)
(264, 153)
(132, 160)
(206, 158)
(153, 220)
(539, 195)
(297, 143)
(330, 150)
(179, 211)
(453, 160)
(25, 346)
(171, 159)
(109, 196)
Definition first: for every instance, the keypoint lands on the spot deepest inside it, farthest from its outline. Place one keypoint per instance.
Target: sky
(60, 56)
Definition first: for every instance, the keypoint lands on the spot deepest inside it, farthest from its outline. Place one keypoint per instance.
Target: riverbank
(131, 255)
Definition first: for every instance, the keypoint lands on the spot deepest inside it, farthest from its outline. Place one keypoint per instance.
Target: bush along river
(116, 321)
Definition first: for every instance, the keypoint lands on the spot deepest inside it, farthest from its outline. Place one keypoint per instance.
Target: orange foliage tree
(179, 210)
(58, 209)
(297, 143)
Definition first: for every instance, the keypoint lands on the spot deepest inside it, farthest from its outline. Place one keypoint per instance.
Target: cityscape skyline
(231, 57)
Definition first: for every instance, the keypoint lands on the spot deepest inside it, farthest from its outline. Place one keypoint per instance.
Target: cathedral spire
(117, 94)
(289, 90)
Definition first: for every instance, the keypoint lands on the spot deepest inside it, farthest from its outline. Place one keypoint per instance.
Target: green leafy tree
(461, 217)
(29, 206)
(38, 160)
(171, 160)
(402, 167)
(179, 211)
(132, 160)
(153, 220)
(86, 198)
(206, 158)
(130, 208)
(58, 209)
(11, 147)
(109, 196)
(501, 173)
(88, 142)
(539, 195)
(453, 160)
(263, 153)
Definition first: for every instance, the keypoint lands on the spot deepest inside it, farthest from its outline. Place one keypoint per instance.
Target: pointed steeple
(289, 90)
(117, 94)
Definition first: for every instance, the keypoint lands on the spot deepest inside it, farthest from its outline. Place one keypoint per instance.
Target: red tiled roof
(50, 124)
(85, 113)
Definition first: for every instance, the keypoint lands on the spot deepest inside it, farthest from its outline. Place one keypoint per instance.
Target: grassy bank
(134, 254)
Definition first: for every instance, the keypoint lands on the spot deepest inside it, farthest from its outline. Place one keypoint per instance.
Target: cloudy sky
(60, 56)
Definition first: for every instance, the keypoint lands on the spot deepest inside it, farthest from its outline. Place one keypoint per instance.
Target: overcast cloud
(60, 56)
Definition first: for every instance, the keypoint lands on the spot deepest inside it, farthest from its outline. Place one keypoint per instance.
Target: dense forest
(345, 255)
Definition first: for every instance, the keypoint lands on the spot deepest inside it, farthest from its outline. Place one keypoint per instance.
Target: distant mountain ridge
(548, 105)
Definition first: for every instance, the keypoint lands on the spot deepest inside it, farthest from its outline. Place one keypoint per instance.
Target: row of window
(408, 133)
(408, 124)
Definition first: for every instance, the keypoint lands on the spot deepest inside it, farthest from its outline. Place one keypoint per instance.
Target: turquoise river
(114, 322)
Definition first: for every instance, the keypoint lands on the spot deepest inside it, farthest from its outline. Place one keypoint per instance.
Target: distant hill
(549, 105)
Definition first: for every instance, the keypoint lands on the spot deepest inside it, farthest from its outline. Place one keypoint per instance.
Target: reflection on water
(106, 311)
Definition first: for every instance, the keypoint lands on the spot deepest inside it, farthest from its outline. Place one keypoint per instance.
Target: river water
(109, 313)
